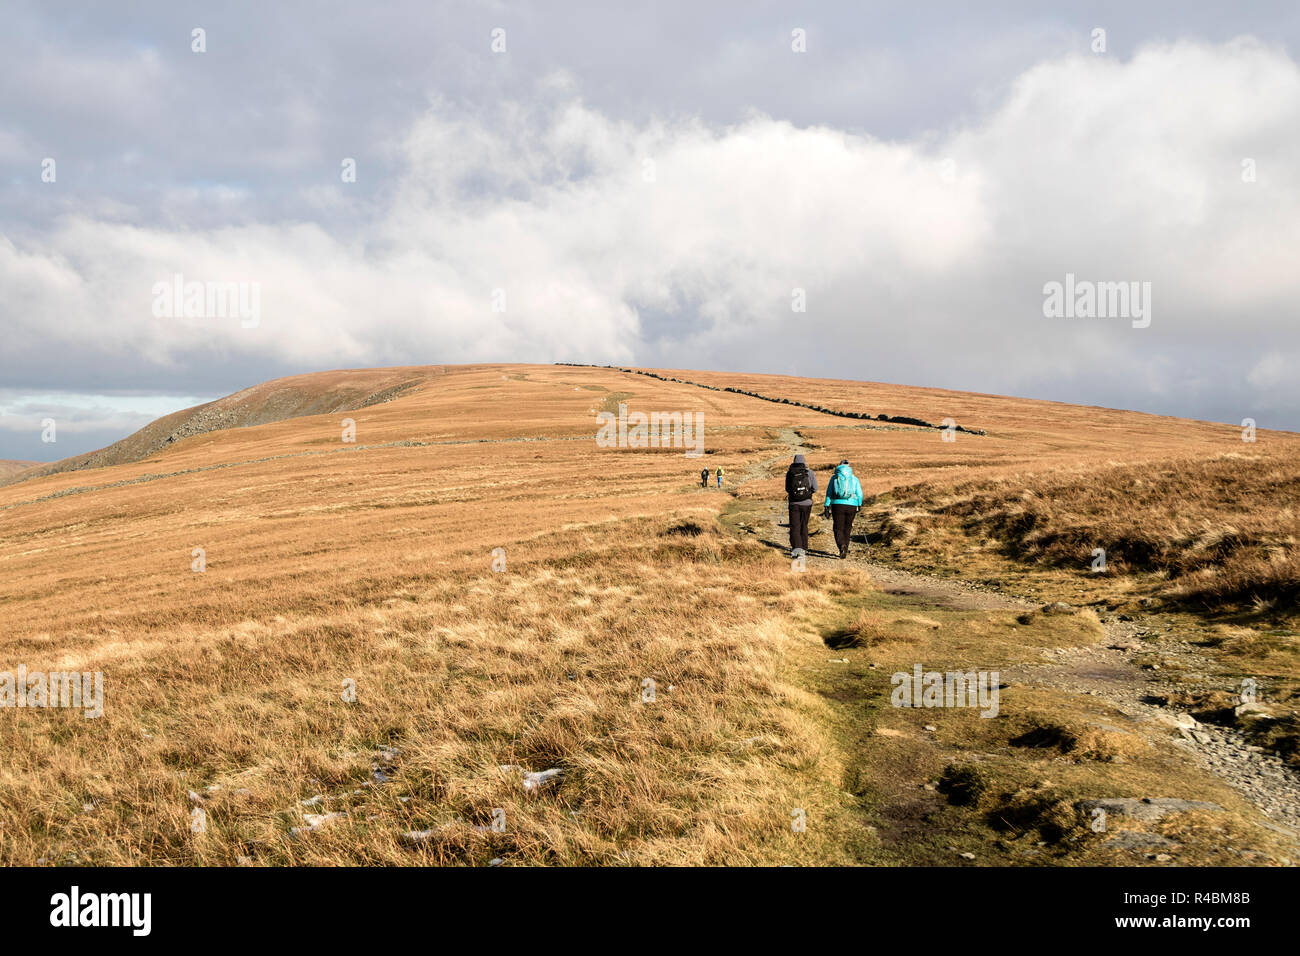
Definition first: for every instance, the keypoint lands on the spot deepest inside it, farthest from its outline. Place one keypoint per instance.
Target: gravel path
(1105, 670)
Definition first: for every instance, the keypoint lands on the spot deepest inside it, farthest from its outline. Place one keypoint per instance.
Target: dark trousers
(842, 516)
(799, 525)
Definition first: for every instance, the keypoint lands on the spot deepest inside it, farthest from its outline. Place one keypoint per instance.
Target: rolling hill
(9, 468)
(322, 645)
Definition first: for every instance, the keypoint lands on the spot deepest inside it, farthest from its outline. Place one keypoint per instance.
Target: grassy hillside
(1218, 532)
(8, 468)
(273, 401)
(501, 594)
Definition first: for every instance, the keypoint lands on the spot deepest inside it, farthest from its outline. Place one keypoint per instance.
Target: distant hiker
(843, 499)
(704, 478)
(719, 476)
(800, 486)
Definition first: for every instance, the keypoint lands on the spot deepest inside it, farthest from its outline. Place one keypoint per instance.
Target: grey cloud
(773, 170)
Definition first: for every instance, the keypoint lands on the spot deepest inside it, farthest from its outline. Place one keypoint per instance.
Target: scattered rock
(1146, 810)
(543, 779)
(314, 822)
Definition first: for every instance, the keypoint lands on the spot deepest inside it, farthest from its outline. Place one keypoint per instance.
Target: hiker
(800, 486)
(843, 499)
(704, 478)
(719, 476)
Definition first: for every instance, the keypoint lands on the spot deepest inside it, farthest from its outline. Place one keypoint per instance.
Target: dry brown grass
(372, 562)
(1217, 531)
(538, 667)
(9, 468)
(1079, 741)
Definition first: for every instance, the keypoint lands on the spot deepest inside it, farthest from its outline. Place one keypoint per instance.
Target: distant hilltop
(891, 419)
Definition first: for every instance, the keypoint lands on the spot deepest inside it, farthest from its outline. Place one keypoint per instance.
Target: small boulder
(543, 779)
(314, 822)
(1146, 810)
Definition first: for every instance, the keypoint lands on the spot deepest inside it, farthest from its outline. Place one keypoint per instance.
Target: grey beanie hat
(799, 460)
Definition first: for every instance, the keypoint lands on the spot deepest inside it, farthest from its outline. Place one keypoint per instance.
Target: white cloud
(1111, 170)
(77, 413)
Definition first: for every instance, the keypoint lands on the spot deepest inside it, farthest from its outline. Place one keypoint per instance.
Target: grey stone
(543, 778)
(1148, 809)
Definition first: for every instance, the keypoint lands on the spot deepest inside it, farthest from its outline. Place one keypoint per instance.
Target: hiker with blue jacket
(800, 486)
(843, 499)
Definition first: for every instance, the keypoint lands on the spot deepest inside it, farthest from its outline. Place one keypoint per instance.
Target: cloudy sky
(647, 186)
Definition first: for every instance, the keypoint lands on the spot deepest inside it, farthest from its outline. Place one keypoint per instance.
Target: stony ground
(1109, 670)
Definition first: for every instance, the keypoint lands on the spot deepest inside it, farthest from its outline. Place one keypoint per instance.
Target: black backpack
(798, 483)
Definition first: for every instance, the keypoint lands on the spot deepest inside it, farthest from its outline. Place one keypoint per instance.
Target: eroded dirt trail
(1105, 670)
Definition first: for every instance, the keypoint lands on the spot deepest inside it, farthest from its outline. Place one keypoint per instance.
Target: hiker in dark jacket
(704, 477)
(800, 486)
(843, 499)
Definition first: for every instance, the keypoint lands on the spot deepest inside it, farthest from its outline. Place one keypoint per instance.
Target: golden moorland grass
(1219, 531)
(372, 562)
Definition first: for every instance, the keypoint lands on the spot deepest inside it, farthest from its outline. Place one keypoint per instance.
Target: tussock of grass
(872, 628)
(1039, 809)
(687, 529)
(1078, 742)
(1220, 531)
(963, 786)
